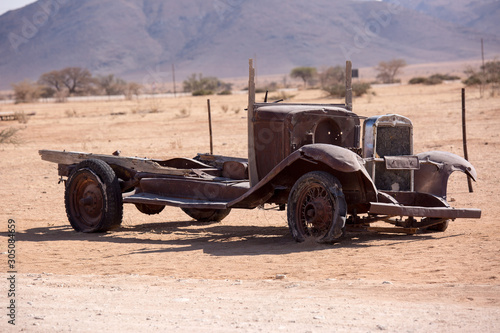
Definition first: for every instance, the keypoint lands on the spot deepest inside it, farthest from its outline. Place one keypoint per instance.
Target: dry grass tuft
(8, 135)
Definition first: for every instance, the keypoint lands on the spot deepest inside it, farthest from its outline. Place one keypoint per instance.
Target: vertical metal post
(210, 127)
(348, 85)
(252, 161)
(483, 78)
(173, 74)
(464, 135)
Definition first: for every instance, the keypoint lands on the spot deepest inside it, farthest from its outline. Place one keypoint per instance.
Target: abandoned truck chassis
(308, 158)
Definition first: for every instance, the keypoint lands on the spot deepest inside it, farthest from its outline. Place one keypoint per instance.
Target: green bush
(203, 92)
(473, 80)
(336, 90)
(26, 91)
(417, 80)
(433, 80)
(360, 88)
(444, 77)
(201, 86)
(489, 74)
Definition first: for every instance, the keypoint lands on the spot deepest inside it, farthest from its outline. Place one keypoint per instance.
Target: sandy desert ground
(168, 273)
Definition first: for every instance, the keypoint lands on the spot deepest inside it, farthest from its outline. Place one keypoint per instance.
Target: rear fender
(435, 170)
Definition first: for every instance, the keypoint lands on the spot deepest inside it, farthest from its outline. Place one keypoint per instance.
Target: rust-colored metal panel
(436, 167)
(201, 190)
(416, 211)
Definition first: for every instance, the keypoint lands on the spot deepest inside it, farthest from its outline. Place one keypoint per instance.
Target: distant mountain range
(140, 39)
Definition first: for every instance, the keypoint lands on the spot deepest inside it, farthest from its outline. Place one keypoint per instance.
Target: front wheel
(93, 198)
(317, 208)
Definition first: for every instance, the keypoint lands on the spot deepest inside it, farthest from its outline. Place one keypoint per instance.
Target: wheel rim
(87, 199)
(315, 211)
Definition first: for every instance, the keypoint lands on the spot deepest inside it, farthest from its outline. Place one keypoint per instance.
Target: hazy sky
(6, 5)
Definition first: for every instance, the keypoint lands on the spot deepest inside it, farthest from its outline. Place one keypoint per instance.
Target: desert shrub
(47, 92)
(282, 95)
(360, 88)
(433, 80)
(488, 74)
(202, 92)
(473, 80)
(444, 77)
(132, 89)
(8, 135)
(273, 86)
(26, 91)
(336, 90)
(202, 86)
(110, 85)
(331, 76)
(417, 80)
(21, 117)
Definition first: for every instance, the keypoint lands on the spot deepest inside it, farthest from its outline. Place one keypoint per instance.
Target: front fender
(308, 158)
(336, 157)
(435, 170)
(342, 160)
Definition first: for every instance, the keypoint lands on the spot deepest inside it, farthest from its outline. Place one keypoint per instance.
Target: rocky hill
(141, 39)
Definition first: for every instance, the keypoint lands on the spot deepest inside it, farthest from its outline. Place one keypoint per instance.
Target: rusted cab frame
(307, 153)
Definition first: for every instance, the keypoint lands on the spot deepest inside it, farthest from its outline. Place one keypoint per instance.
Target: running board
(417, 211)
(153, 199)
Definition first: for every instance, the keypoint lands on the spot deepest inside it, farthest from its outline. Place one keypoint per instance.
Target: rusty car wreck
(315, 160)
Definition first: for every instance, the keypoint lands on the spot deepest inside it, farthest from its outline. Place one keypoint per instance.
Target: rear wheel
(317, 208)
(149, 209)
(207, 215)
(440, 227)
(93, 197)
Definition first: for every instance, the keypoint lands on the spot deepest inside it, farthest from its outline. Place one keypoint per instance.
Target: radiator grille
(393, 141)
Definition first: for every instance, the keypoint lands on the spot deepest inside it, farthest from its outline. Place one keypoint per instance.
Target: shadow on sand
(215, 239)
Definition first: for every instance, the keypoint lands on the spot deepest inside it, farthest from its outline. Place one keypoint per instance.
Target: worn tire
(317, 208)
(440, 227)
(207, 215)
(93, 197)
(149, 209)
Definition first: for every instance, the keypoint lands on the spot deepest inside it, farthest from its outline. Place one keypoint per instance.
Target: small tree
(331, 76)
(304, 73)
(53, 80)
(132, 89)
(111, 85)
(332, 81)
(78, 80)
(387, 71)
(489, 75)
(26, 91)
(75, 80)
